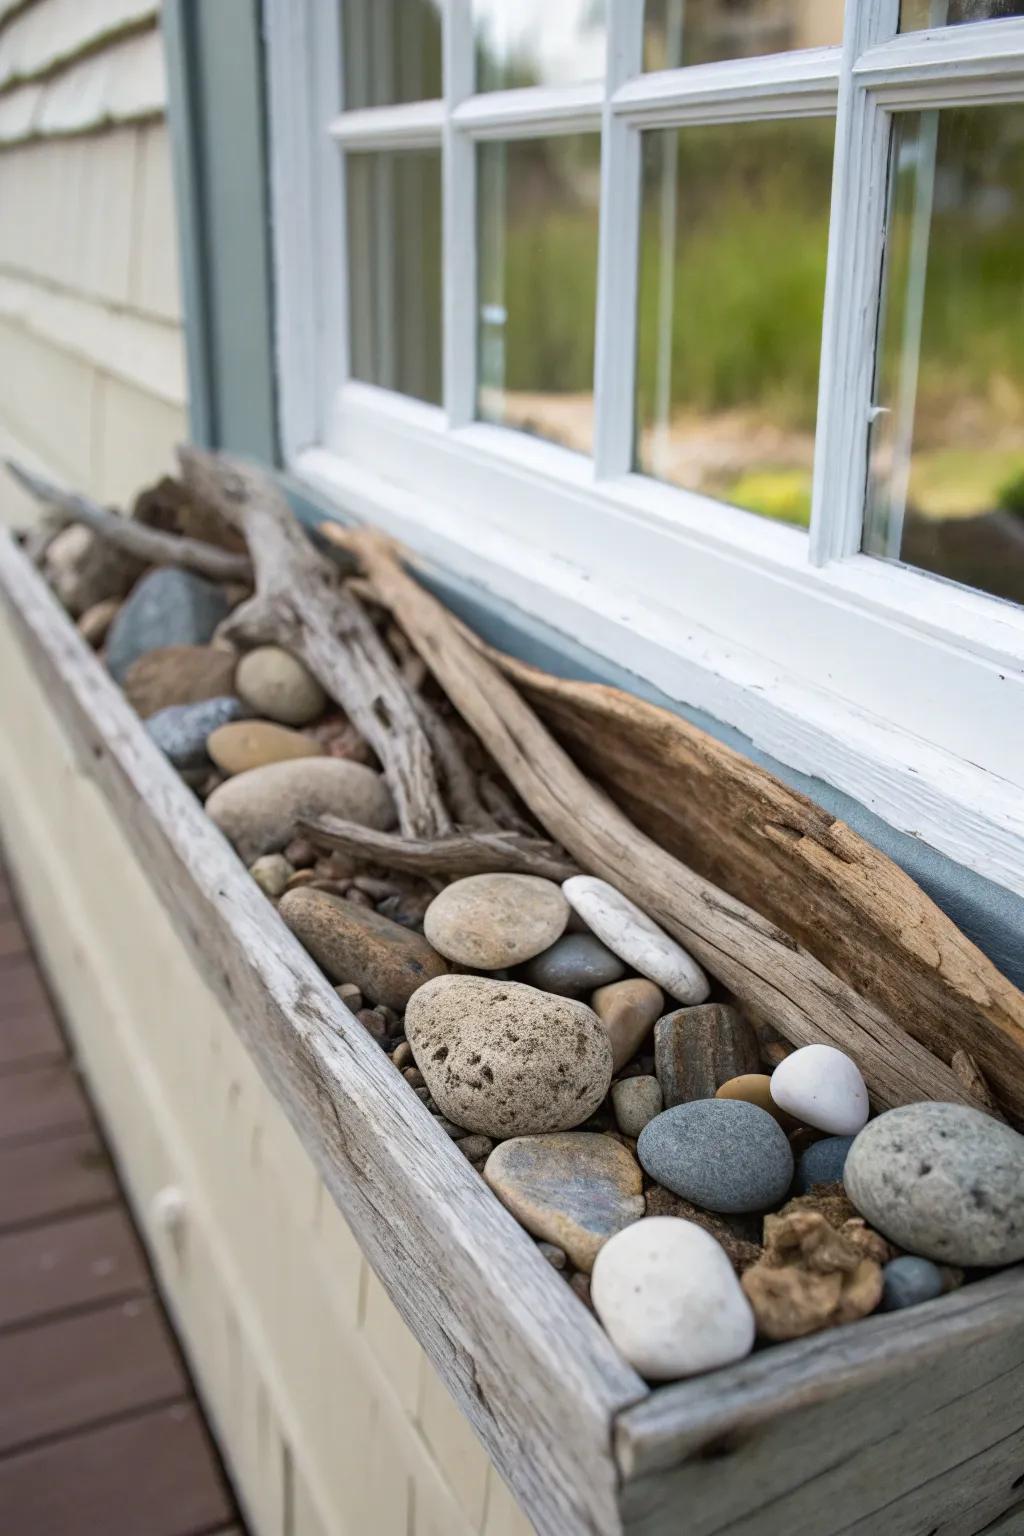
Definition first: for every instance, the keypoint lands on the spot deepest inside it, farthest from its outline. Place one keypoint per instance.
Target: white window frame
(904, 691)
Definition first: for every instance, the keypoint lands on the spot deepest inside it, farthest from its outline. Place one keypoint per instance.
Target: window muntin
(537, 202)
(391, 51)
(946, 491)
(681, 32)
(727, 345)
(522, 43)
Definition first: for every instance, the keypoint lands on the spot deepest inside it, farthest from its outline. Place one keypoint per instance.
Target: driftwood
(777, 980)
(149, 545)
(302, 605)
(462, 853)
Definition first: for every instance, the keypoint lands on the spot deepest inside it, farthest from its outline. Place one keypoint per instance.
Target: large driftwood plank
(768, 846)
(912, 1421)
(529, 1366)
(778, 982)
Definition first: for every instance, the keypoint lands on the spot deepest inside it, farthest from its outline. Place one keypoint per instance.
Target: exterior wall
(331, 1418)
(92, 373)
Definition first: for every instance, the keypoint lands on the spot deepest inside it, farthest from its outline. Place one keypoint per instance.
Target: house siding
(93, 384)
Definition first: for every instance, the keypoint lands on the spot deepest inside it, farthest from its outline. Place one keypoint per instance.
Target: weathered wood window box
(909, 1423)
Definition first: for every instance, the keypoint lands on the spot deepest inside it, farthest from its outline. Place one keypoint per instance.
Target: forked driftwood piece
(147, 544)
(301, 604)
(461, 853)
(776, 979)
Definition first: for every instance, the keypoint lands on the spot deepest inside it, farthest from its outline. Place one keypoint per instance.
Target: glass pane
(535, 42)
(947, 445)
(537, 202)
(394, 279)
(734, 236)
(702, 31)
(391, 51)
(918, 14)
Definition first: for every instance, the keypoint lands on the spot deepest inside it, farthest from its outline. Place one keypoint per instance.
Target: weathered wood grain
(462, 853)
(529, 1366)
(904, 1419)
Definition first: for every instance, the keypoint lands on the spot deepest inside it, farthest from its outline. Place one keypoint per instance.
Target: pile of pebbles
(698, 1183)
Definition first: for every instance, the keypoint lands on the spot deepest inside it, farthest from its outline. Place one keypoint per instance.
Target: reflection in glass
(394, 278)
(918, 14)
(535, 42)
(678, 32)
(947, 445)
(734, 237)
(537, 282)
(391, 51)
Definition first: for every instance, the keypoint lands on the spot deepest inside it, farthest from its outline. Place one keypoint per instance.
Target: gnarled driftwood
(461, 853)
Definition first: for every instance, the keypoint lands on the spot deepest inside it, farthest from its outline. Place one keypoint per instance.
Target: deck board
(62, 1175)
(69, 1264)
(40, 1101)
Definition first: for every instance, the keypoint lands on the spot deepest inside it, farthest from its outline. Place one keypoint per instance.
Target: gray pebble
(180, 730)
(907, 1281)
(723, 1154)
(554, 1255)
(822, 1163)
(943, 1181)
(476, 1147)
(575, 964)
(636, 1101)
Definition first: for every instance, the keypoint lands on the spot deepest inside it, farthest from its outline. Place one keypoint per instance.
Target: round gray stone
(822, 1163)
(180, 730)
(943, 1181)
(722, 1154)
(574, 964)
(167, 607)
(907, 1281)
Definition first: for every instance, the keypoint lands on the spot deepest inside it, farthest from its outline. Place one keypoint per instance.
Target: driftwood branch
(777, 980)
(301, 604)
(461, 853)
(149, 545)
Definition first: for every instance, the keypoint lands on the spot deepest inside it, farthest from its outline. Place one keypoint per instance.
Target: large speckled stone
(167, 607)
(181, 731)
(636, 938)
(942, 1181)
(178, 674)
(276, 684)
(574, 1189)
(246, 744)
(722, 1154)
(493, 921)
(628, 1010)
(506, 1060)
(257, 811)
(386, 961)
(574, 964)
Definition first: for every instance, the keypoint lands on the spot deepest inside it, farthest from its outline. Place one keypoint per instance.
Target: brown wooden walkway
(100, 1430)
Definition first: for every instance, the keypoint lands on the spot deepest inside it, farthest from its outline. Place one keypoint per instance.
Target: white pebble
(823, 1088)
(630, 933)
(669, 1299)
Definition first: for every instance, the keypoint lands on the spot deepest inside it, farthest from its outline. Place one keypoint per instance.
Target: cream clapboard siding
(92, 372)
(331, 1418)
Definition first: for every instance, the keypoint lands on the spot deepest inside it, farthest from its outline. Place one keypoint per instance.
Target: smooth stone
(167, 607)
(628, 1010)
(669, 1300)
(574, 1190)
(631, 934)
(756, 1088)
(272, 872)
(96, 620)
(254, 743)
(822, 1087)
(822, 1163)
(276, 684)
(178, 674)
(257, 810)
(720, 1153)
(908, 1281)
(698, 1049)
(636, 1101)
(575, 963)
(85, 569)
(181, 731)
(504, 1060)
(386, 961)
(943, 1181)
(492, 921)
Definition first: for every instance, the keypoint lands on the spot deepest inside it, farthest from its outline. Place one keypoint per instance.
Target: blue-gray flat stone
(723, 1154)
(181, 730)
(907, 1281)
(576, 963)
(822, 1163)
(943, 1181)
(167, 607)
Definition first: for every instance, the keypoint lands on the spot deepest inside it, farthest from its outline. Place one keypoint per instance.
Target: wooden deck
(100, 1431)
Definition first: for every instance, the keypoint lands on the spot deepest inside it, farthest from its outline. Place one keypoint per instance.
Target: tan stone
(750, 1087)
(95, 621)
(276, 684)
(628, 1010)
(178, 674)
(385, 961)
(244, 744)
(492, 921)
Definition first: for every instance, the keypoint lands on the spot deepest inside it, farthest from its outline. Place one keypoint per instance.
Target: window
(694, 330)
